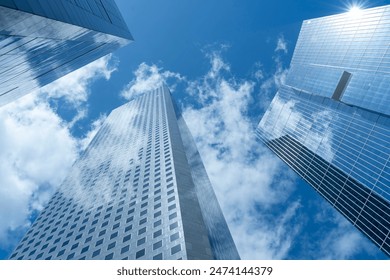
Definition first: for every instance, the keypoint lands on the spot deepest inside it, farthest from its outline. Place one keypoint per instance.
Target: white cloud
(319, 138)
(342, 241)
(270, 86)
(148, 77)
(96, 125)
(74, 87)
(281, 45)
(264, 237)
(258, 73)
(242, 172)
(37, 148)
(35, 153)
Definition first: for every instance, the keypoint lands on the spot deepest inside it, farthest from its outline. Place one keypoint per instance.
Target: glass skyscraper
(43, 40)
(330, 121)
(139, 191)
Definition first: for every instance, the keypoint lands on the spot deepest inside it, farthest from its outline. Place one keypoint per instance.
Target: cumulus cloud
(37, 148)
(283, 110)
(342, 241)
(281, 45)
(149, 77)
(35, 153)
(95, 126)
(246, 178)
(74, 87)
(270, 85)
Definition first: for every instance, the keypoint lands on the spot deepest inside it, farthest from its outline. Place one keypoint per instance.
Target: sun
(355, 11)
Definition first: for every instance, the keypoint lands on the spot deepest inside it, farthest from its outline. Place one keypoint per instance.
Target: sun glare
(355, 11)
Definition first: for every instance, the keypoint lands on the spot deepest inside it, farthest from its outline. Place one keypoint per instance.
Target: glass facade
(139, 191)
(330, 122)
(43, 40)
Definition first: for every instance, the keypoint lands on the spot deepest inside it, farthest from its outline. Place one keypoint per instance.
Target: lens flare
(355, 11)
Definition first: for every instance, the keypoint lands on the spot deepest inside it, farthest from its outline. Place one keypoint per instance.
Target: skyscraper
(330, 121)
(43, 40)
(139, 191)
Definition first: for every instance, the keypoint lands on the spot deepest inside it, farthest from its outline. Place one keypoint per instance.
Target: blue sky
(223, 61)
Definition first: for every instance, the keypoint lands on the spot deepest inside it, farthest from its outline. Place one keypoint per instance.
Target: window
(97, 252)
(85, 249)
(125, 249)
(128, 228)
(157, 257)
(144, 220)
(142, 231)
(158, 205)
(141, 241)
(115, 234)
(157, 245)
(157, 233)
(144, 212)
(175, 249)
(157, 223)
(140, 254)
(173, 226)
(157, 214)
(32, 252)
(127, 238)
(109, 256)
(111, 245)
(172, 216)
(174, 236)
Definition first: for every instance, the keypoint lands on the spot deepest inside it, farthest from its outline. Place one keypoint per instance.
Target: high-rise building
(43, 40)
(139, 191)
(330, 121)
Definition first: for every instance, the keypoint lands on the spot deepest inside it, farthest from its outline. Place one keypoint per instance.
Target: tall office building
(330, 122)
(139, 191)
(43, 40)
